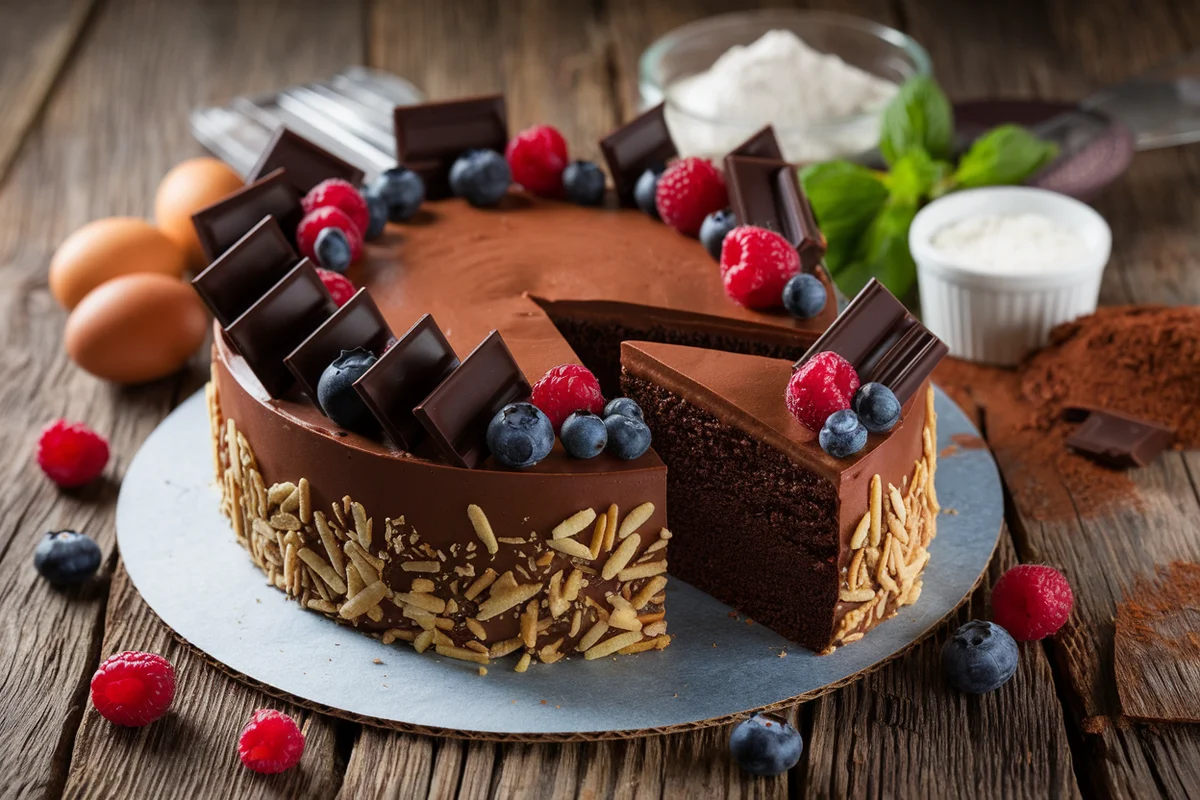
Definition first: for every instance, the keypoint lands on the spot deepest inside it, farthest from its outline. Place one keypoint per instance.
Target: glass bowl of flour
(820, 78)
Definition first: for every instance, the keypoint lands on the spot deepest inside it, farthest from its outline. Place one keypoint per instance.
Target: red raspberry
(689, 191)
(755, 266)
(271, 742)
(567, 388)
(1031, 601)
(318, 220)
(71, 454)
(824, 384)
(537, 157)
(339, 286)
(340, 194)
(133, 688)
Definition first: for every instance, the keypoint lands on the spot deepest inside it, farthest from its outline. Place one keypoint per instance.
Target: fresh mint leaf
(883, 252)
(1005, 155)
(918, 117)
(845, 197)
(914, 176)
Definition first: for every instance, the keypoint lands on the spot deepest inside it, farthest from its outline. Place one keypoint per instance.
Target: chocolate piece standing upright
(457, 413)
(307, 163)
(358, 323)
(431, 136)
(278, 321)
(245, 271)
(883, 341)
(403, 377)
(636, 146)
(220, 225)
(766, 193)
(762, 144)
(1120, 440)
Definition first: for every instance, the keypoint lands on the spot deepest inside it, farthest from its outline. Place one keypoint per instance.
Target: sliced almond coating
(421, 566)
(571, 589)
(642, 571)
(324, 606)
(656, 643)
(283, 521)
(876, 511)
(523, 663)
(859, 538)
(398, 634)
(477, 630)
(442, 623)
(483, 528)
(572, 548)
(425, 619)
(634, 520)
(362, 525)
(482, 582)
(451, 606)
(651, 617)
(897, 503)
(359, 603)
(623, 616)
(279, 492)
(610, 528)
(884, 559)
(505, 583)
(306, 513)
(462, 654)
(513, 540)
(855, 595)
(499, 602)
(501, 649)
(659, 544)
(621, 557)
(652, 587)
(374, 561)
(549, 654)
(366, 569)
(422, 585)
(289, 565)
(592, 636)
(557, 603)
(573, 524)
(375, 613)
(896, 527)
(655, 628)
(852, 637)
(610, 646)
(545, 558)
(598, 536)
(889, 583)
(576, 623)
(323, 570)
(434, 605)
(291, 503)
(332, 548)
(478, 647)
(853, 572)
(423, 640)
(529, 624)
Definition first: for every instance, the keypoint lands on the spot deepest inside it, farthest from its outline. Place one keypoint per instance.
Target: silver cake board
(182, 556)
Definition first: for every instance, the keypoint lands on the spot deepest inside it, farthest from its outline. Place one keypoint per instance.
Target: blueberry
(520, 435)
(764, 746)
(714, 229)
(333, 250)
(402, 189)
(584, 183)
(804, 296)
(628, 437)
(842, 435)
(481, 177)
(625, 407)
(583, 435)
(336, 393)
(876, 406)
(64, 557)
(980, 657)
(645, 190)
(377, 207)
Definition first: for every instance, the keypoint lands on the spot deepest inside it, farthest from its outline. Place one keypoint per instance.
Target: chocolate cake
(413, 531)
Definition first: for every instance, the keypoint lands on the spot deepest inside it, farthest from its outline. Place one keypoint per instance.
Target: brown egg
(136, 328)
(106, 248)
(192, 185)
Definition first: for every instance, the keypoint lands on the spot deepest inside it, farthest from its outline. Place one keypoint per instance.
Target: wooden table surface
(94, 97)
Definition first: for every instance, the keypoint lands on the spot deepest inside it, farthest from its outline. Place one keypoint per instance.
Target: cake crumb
(543, 702)
(783, 653)
(376, 661)
(749, 621)
(482, 671)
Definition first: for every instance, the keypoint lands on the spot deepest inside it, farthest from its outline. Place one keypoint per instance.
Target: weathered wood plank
(36, 40)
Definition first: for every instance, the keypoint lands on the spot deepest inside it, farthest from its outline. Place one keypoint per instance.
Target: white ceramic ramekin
(998, 318)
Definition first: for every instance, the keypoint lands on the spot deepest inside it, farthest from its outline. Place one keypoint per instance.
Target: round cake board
(182, 556)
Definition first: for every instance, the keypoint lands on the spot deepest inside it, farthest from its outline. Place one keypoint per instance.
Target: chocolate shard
(761, 145)
(431, 136)
(1119, 440)
(358, 323)
(307, 163)
(456, 414)
(766, 193)
(885, 343)
(220, 225)
(639, 144)
(404, 376)
(278, 321)
(245, 271)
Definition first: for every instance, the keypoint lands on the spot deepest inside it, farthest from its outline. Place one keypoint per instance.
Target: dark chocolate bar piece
(431, 136)
(358, 323)
(1120, 440)
(885, 343)
(456, 414)
(403, 377)
(307, 163)
(639, 144)
(220, 225)
(278, 321)
(766, 193)
(245, 271)
(761, 145)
